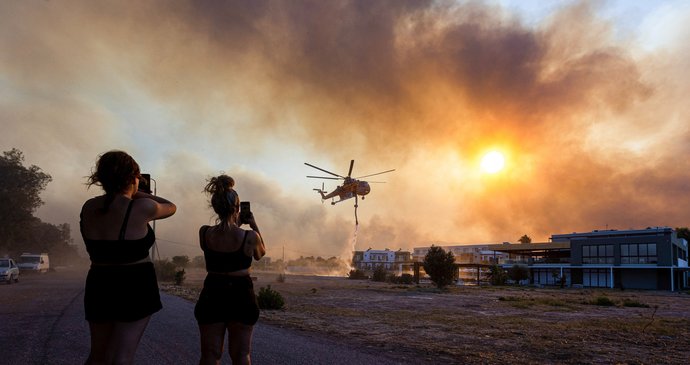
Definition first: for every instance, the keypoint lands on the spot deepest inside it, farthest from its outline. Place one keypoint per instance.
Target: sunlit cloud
(592, 125)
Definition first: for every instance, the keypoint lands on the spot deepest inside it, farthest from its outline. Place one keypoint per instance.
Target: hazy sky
(587, 100)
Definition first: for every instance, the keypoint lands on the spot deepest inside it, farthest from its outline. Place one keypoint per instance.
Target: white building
(398, 261)
(465, 254)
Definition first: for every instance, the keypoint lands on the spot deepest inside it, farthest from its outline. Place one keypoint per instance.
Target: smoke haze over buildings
(594, 124)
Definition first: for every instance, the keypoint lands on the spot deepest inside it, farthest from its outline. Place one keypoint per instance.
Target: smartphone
(245, 212)
(145, 183)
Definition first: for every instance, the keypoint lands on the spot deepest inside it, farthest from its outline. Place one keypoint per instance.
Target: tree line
(20, 197)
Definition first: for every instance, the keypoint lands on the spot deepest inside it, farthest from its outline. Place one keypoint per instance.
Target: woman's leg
(115, 342)
(212, 336)
(124, 340)
(100, 336)
(240, 343)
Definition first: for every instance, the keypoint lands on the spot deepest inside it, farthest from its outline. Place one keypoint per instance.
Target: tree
(683, 232)
(379, 274)
(517, 273)
(440, 266)
(497, 276)
(199, 262)
(525, 239)
(181, 261)
(20, 187)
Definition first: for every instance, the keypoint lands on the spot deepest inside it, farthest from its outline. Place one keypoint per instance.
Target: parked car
(8, 271)
(34, 262)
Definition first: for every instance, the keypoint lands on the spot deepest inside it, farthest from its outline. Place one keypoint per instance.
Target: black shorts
(227, 299)
(122, 293)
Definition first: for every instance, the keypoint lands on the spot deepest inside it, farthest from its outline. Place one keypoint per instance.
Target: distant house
(473, 261)
(651, 258)
(466, 254)
(396, 261)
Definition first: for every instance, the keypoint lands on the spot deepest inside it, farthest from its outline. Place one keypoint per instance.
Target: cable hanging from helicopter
(351, 187)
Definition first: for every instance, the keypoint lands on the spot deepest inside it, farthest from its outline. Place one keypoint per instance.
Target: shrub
(270, 299)
(357, 274)
(634, 303)
(518, 273)
(497, 276)
(402, 279)
(379, 274)
(179, 277)
(440, 266)
(165, 270)
(603, 301)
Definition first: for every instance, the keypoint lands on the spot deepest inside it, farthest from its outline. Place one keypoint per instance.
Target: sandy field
(481, 325)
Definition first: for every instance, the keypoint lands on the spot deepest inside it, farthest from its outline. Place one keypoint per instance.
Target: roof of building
(524, 248)
(612, 233)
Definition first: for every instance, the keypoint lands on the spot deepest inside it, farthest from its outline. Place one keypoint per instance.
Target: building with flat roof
(651, 258)
(395, 261)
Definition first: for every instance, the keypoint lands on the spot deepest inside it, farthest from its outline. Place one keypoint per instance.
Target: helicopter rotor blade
(349, 172)
(378, 173)
(325, 177)
(376, 182)
(326, 171)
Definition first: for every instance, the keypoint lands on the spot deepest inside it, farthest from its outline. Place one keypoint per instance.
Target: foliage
(379, 274)
(165, 270)
(180, 261)
(20, 231)
(525, 239)
(179, 277)
(683, 232)
(497, 276)
(402, 279)
(603, 300)
(627, 302)
(199, 262)
(357, 274)
(270, 299)
(517, 273)
(440, 266)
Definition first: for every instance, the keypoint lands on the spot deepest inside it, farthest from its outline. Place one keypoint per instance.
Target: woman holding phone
(227, 302)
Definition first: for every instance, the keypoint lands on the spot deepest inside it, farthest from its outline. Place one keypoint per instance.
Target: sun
(492, 162)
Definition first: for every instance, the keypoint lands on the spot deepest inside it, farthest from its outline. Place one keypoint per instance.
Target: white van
(36, 262)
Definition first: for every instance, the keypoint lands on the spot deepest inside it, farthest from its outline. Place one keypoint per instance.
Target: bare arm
(259, 247)
(155, 206)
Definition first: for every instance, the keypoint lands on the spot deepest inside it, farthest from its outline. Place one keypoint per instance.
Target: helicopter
(351, 187)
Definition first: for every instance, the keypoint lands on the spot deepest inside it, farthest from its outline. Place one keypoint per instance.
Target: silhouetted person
(121, 290)
(227, 302)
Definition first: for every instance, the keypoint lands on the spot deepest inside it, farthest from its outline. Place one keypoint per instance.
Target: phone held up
(245, 212)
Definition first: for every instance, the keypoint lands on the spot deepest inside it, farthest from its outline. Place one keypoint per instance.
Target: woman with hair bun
(121, 291)
(227, 302)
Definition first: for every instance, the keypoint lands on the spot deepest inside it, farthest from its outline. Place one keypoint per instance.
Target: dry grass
(483, 324)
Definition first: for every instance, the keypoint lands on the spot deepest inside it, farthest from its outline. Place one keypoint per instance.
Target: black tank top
(220, 262)
(120, 251)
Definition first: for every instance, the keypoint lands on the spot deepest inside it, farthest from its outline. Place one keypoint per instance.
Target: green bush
(603, 301)
(270, 299)
(179, 277)
(440, 266)
(356, 274)
(379, 274)
(497, 275)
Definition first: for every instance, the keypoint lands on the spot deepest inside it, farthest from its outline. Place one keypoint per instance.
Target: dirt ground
(482, 325)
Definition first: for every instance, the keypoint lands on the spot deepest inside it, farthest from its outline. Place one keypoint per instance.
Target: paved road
(42, 322)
